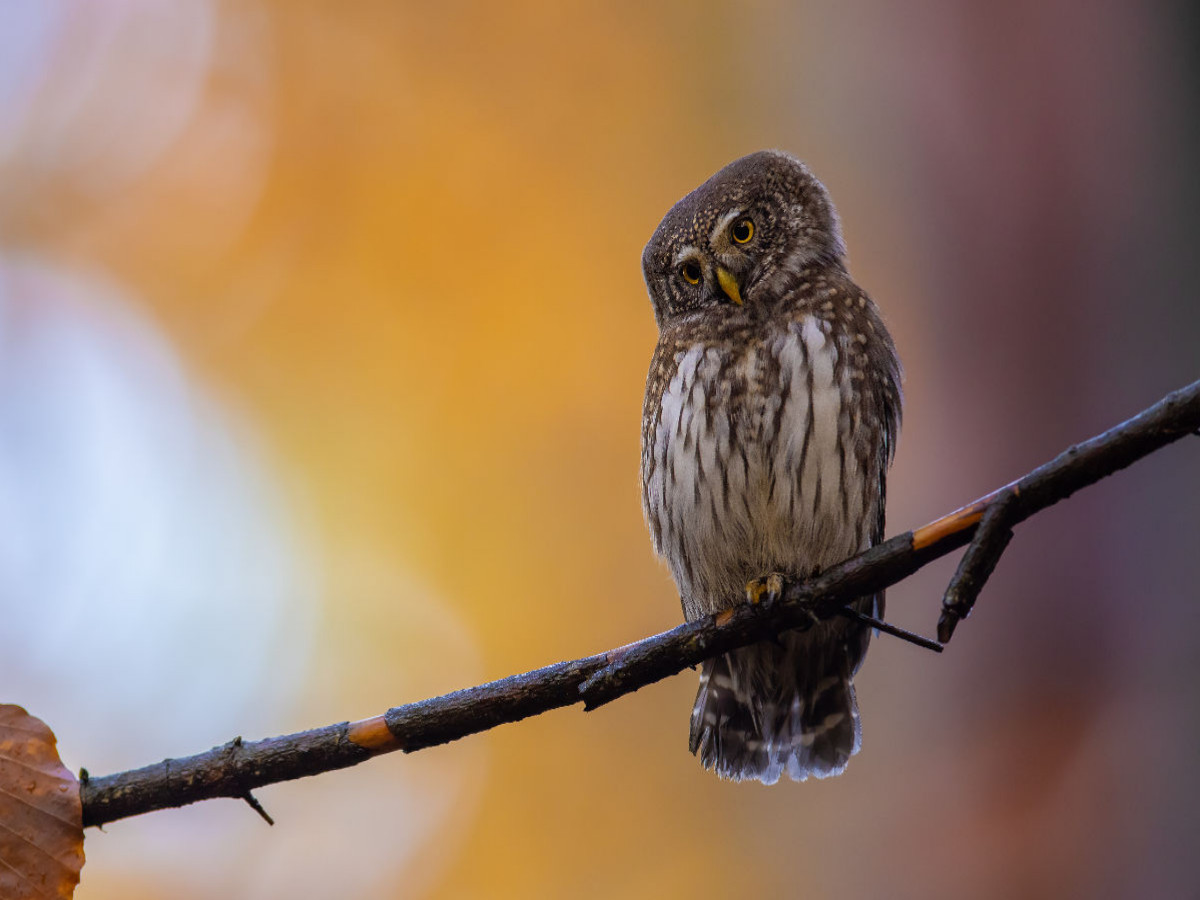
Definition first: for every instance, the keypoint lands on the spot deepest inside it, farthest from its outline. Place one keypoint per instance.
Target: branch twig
(976, 566)
(236, 768)
(893, 630)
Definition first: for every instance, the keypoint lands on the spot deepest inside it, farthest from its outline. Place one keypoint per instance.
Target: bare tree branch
(236, 768)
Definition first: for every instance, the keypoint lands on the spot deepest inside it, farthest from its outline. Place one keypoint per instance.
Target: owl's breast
(748, 466)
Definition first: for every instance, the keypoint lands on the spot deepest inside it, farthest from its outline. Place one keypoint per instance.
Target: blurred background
(322, 347)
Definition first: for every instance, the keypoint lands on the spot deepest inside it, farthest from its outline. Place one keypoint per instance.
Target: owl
(771, 416)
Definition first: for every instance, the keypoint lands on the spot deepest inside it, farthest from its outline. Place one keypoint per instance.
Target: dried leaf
(41, 817)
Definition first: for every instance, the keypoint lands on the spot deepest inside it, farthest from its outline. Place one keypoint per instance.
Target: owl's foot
(765, 590)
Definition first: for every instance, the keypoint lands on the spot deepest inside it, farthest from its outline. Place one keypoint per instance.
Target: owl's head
(741, 236)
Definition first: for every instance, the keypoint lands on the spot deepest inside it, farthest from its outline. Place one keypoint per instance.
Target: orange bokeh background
(349, 295)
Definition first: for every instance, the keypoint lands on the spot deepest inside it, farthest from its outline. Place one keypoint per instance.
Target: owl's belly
(751, 469)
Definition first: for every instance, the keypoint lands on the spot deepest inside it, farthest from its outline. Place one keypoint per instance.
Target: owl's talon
(765, 590)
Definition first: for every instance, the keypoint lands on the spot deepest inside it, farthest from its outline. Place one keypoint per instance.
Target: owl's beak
(729, 285)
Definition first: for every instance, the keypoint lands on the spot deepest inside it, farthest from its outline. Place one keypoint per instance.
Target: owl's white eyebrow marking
(720, 227)
(684, 254)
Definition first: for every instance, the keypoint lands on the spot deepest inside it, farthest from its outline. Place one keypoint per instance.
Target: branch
(236, 768)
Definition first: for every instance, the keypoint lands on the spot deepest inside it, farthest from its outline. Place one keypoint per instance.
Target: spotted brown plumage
(771, 414)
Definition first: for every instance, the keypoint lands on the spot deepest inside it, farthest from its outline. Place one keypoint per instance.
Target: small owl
(771, 415)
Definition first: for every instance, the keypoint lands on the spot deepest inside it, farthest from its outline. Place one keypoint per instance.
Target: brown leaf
(41, 817)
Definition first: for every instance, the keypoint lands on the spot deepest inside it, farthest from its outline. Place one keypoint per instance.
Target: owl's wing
(890, 416)
(662, 369)
(890, 400)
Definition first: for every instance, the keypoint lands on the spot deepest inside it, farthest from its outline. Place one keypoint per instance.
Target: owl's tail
(764, 710)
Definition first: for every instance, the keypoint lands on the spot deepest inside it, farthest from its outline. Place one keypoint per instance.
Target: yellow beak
(729, 285)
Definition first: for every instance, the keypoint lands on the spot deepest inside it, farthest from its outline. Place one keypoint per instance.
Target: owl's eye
(742, 231)
(690, 271)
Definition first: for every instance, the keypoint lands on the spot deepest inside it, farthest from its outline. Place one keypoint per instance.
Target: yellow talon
(770, 587)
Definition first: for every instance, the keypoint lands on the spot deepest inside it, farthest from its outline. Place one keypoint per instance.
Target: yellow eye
(742, 231)
(690, 271)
